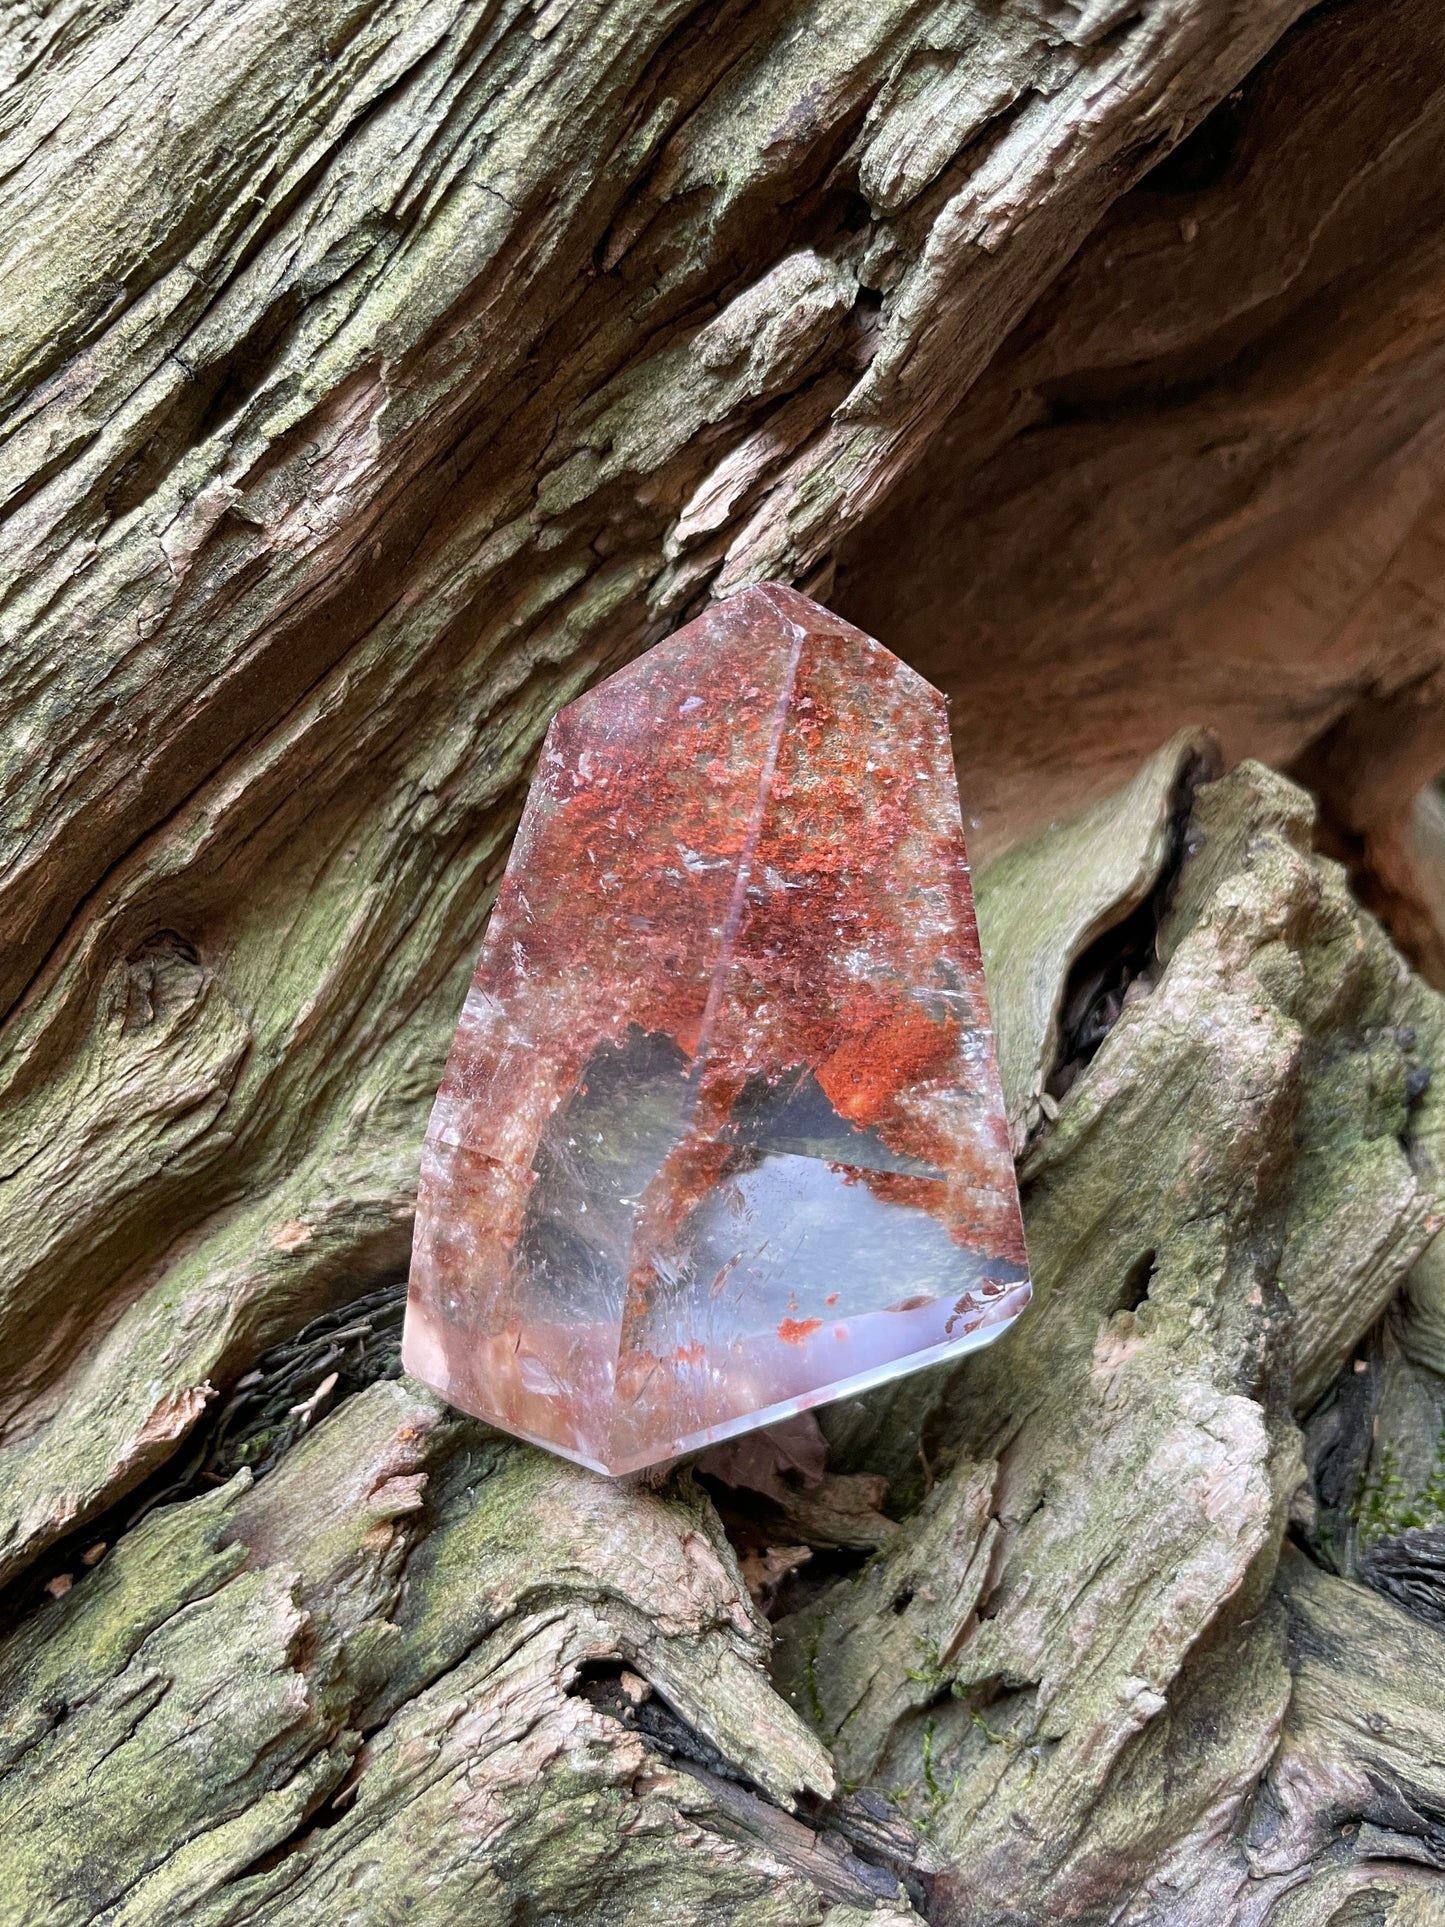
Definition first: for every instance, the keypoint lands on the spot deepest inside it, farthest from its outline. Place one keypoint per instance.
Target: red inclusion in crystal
(725, 1060)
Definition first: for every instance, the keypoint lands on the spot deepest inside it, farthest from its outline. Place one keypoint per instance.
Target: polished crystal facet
(720, 1136)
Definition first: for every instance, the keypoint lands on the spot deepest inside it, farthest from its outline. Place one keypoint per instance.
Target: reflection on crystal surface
(793, 1114)
(720, 1135)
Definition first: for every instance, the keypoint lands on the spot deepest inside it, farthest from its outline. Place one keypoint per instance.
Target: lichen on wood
(401, 368)
(373, 378)
(405, 1606)
(1074, 1673)
(1133, 1439)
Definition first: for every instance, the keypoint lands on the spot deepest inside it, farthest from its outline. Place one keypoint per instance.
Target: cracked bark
(372, 378)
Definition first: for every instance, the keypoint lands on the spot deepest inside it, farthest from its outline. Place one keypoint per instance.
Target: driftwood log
(374, 376)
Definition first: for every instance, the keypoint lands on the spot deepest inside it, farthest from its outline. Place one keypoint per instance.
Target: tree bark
(376, 376)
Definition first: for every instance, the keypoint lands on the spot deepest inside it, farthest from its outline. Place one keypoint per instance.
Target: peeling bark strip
(372, 377)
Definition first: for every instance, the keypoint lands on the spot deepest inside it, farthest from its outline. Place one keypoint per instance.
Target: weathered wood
(319, 1649)
(398, 368)
(1060, 1664)
(1067, 1671)
(373, 377)
(1204, 483)
(1041, 907)
(1361, 1743)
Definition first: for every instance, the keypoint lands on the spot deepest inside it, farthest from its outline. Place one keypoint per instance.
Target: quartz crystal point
(720, 1136)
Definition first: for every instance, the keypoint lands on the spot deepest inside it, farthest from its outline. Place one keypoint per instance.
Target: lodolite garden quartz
(720, 1136)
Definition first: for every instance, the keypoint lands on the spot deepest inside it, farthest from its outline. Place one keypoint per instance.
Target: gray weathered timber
(334, 1637)
(418, 1671)
(1205, 484)
(1066, 1665)
(1035, 922)
(372, 377)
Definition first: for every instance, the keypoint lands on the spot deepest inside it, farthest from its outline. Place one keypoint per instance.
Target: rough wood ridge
(395, 369)
(1079, 1671)
(371, 378)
